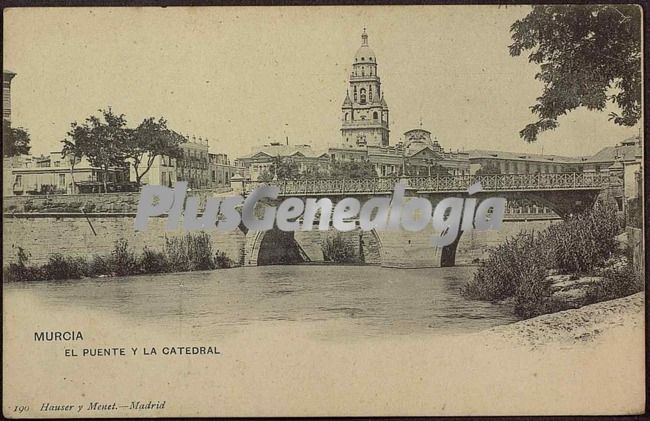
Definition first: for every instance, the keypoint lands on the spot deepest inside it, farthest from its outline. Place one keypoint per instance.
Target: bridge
(564, 193)
(440, 184)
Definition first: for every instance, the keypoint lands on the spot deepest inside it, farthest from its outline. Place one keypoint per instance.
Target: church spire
(364, 38)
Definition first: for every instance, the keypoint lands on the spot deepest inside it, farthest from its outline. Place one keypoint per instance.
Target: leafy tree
(15, 141)
(150, 139)
(283, 168)
(420, 170)
(314, 172)
(488, 168)
(104, 141)
(352, 169)
(589, 55)
(73, 154)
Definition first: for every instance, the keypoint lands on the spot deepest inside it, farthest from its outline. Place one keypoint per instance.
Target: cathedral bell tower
(364, 110)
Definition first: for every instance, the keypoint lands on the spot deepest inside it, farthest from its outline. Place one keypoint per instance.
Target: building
(192, 166)
(364, 120)
(418, 155)
(7, 77)
(221, 171)
(261, 159)
(54, 174)
(521, 163)
(201, 169)
(365, 133)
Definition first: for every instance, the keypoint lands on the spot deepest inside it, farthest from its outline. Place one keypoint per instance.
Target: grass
(189, 253)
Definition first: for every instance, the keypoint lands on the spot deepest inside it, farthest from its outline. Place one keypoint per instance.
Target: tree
(589, 55)
(352, 169)
(151, 139)
(488, 168)
(15, 141)
(74, 155)
(103, 142)
(314, 172)
(282, 168)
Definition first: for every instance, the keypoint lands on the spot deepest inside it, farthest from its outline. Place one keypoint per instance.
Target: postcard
(323, 211)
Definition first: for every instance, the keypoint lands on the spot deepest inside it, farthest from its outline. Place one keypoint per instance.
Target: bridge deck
(441, 184)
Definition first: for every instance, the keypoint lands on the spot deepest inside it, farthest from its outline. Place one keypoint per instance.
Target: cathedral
(364, 110)
(365, 129)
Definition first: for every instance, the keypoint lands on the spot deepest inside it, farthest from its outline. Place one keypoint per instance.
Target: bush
(19, 271)
(519, 267)
(500, 276)
(222, 261)
(60, 267)
(191, 252)
(585, 240)
(617, 282)
(100, 266)
(188, 253)
(153, 262)
(336, 249)
(124, 260)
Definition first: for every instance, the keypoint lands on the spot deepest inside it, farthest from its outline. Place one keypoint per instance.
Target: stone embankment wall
(72, 236)
(46, 225)
(91, 203)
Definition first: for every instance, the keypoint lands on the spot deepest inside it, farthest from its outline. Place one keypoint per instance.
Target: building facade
(198, 167)
(364, 113)
(221, 171)
(261, 159)
(54, 174)
(7, 77)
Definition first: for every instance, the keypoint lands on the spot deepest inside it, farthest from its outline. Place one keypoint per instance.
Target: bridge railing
(440, 183)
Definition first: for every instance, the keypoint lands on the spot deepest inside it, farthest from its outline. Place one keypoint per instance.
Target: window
(375, 116)
(363, 95)
(19, 180)
(346, 116)
(355, 94)
(363, 71)
(62, 180)
(370, 93)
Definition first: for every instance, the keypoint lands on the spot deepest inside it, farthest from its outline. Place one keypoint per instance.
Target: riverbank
(584, 324)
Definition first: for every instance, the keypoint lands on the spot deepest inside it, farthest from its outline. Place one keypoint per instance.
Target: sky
(243, 77)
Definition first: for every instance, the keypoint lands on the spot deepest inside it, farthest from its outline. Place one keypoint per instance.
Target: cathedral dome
(364, 53)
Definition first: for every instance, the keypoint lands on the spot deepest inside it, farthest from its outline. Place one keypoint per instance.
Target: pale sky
(247, 76)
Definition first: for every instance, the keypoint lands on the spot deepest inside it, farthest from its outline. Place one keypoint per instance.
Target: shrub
(500, 276)
(191, 252)
(124, 260)
(519, 267)
(336, 249)
(20, 271)
(222, 261)
(61, 267)
(199, 251)
(100, 266)
(153, 262)
(617, 282)
(584, 241)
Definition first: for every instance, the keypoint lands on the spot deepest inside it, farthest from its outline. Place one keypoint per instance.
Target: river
(364, 300)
